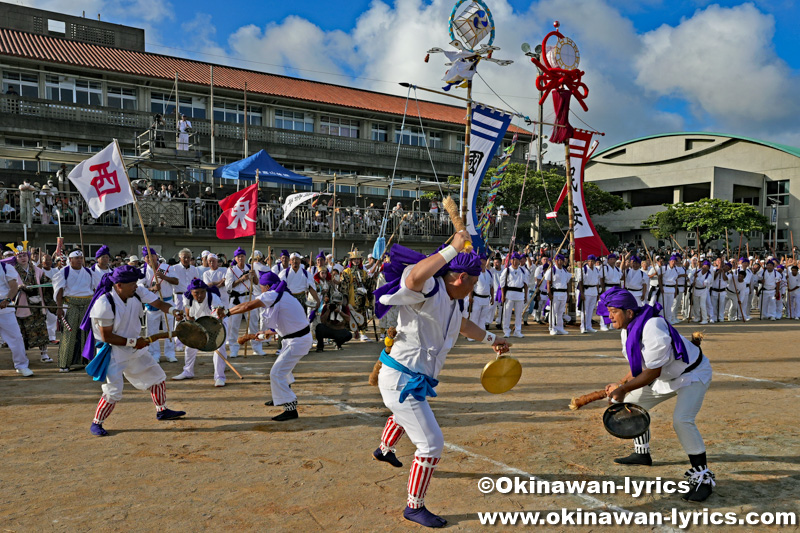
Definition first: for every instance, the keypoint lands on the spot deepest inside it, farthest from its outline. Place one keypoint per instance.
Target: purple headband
(616, 297)
(559, 256)
(591, 257)
(516, 255)
(144, 252)
(770, 262)
(285, 253)
(269, 278)
(612, 256)
(744, 260)
(707, 262)
(102, 251)
(321, 255)
(469, 263)
(635, 259)
(674, 258)
(239, 251)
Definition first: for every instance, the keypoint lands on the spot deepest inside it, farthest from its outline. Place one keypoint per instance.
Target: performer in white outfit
(480, 300)
(72, 285)
(738, 294)
(770, 280)
(239, 284)
(158, 277)
(700, 283)
(215, 277)
(588, 283)
(283, 262)
(287, 317)
(184, 272)
(635, 280)
(663, 364)
(557, 278)
(610, 277)
(793, 293)
(680, 288)
(541, 288)
(514, 284)
(201, 300)
(114, 317)
(184, 127)
(719, 289)
(429, 293)
(101, 266)
(9, 327)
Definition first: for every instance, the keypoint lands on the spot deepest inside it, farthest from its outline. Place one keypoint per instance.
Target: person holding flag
(155, 275)
(239, 285)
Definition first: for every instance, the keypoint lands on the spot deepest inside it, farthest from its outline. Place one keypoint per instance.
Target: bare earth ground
(228, 466)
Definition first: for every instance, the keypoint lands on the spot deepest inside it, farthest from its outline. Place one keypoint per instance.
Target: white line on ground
(589, 500)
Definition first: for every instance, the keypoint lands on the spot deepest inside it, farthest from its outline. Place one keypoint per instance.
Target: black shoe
(269, 403)
(169, 414)
(286, 415)
(635, 459)
(524, 322)
(701, 481)
(320, 348)
(390, 458)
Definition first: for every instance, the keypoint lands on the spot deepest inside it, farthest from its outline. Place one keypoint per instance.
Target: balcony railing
(141, 121)
(202, 214)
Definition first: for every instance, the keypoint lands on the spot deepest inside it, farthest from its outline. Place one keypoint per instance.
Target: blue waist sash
(98, 366)
(419, 386)
(151, 308)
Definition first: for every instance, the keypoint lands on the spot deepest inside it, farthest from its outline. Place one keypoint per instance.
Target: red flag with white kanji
(238, 218)
(102, 181)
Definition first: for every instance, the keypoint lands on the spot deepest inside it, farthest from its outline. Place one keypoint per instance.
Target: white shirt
(233, 273)
(7, 273)
(514, 278)
(558, 278)
(97, 274)
(610, 275)
(658, 352)
(539, 275)
(78, 283)
(590, 276)
(147, 282)
(286, 317)
(427, 328)
(771, 280)
(125, 320)
(635, 279)
(260, 269)
(484, 287)
(297, 281)
(215, 276)
(184, 276)
(204, 308)
(670, 276)
(701, 281)
(792, 281)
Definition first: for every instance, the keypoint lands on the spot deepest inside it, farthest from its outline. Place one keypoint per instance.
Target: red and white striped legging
(419, 478)
(158, 392)
(391, 434)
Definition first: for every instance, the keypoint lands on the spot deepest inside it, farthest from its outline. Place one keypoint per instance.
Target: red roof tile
(78, 54)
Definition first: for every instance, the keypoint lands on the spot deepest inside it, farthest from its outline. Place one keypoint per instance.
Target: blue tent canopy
(268, 170)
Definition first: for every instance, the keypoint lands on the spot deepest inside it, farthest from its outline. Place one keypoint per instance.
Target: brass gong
(501, 375)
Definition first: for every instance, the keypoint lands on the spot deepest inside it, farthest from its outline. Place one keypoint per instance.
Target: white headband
(295, 255)
(205, 253)
(76, 253)
(211, 256)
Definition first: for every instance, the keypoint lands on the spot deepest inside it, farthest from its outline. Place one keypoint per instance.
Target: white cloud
(721, 61)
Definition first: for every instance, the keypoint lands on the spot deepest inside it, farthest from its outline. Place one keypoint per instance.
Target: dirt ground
(227, 466)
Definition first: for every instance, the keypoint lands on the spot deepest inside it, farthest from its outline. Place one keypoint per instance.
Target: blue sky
(652, 66)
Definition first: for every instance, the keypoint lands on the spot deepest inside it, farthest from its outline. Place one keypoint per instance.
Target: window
(783, 240)
(778, 192)
(231, 112)
(19, 164)
(58, 27)
(72, 91)
(691, 241)
(460, 142)
(435, 140)
(410, 136)
(294, 120)
(121, 97)
(21, 84)
(380, 132)
(88, 92)
(341, 127)
(89, 148)
(191, 106)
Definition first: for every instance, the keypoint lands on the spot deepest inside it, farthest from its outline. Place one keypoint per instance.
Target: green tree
(710, 218)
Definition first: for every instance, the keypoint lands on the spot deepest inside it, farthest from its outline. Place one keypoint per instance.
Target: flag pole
(252, 262)
(144, 234)
(465, 171)
(333, 224)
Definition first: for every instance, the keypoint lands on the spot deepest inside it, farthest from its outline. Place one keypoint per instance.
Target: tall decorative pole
(470, 24)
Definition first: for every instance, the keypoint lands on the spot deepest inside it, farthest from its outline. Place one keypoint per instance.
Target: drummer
(429, 293)
(663, 364)
(200, 301)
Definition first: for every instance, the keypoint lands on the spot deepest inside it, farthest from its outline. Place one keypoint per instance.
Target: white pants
(718, 305)
(280, 375)
(155, 323)
(588, 305)
(141, 371)
(734, 313)
(517, 306)
(638, 294)
(51, 325)
(770, 307)
(690, 399)
(668, 301)
(9, 331)
(793, 301)
(219, 363)
(700, 304)
(234, 322)
(558, 305)
(416, 417)
(677, 305)
(481, 314)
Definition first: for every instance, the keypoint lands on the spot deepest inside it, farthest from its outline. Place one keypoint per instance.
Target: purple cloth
(674, 258)
(559, 256)
(269, 278)
(121, 274)
(516, 255)
(635, 259)
(239, 251)
(623, 299)
(591, 257)
(284, 253)
(744, 260)
(321, 255)
(144, 253)
(400, 257)
(707, 262)
(104, 250)
(197, 284)
(612, 256)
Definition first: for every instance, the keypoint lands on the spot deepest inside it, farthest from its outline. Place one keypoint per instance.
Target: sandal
(63, 370)
(46, 359)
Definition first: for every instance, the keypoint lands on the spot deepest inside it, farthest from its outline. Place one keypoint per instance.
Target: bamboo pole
(252, 261)
(333, 223)
(571, 211)
(465, 171)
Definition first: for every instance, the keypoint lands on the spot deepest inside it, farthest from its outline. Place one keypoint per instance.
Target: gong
(215, 330)
(626, 420)
(191, 334)
(501, 375)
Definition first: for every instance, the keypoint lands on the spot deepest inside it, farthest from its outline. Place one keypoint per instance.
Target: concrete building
(686, 167)
(71, 84)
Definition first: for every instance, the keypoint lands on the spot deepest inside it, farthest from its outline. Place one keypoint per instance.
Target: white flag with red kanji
(102, 181)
